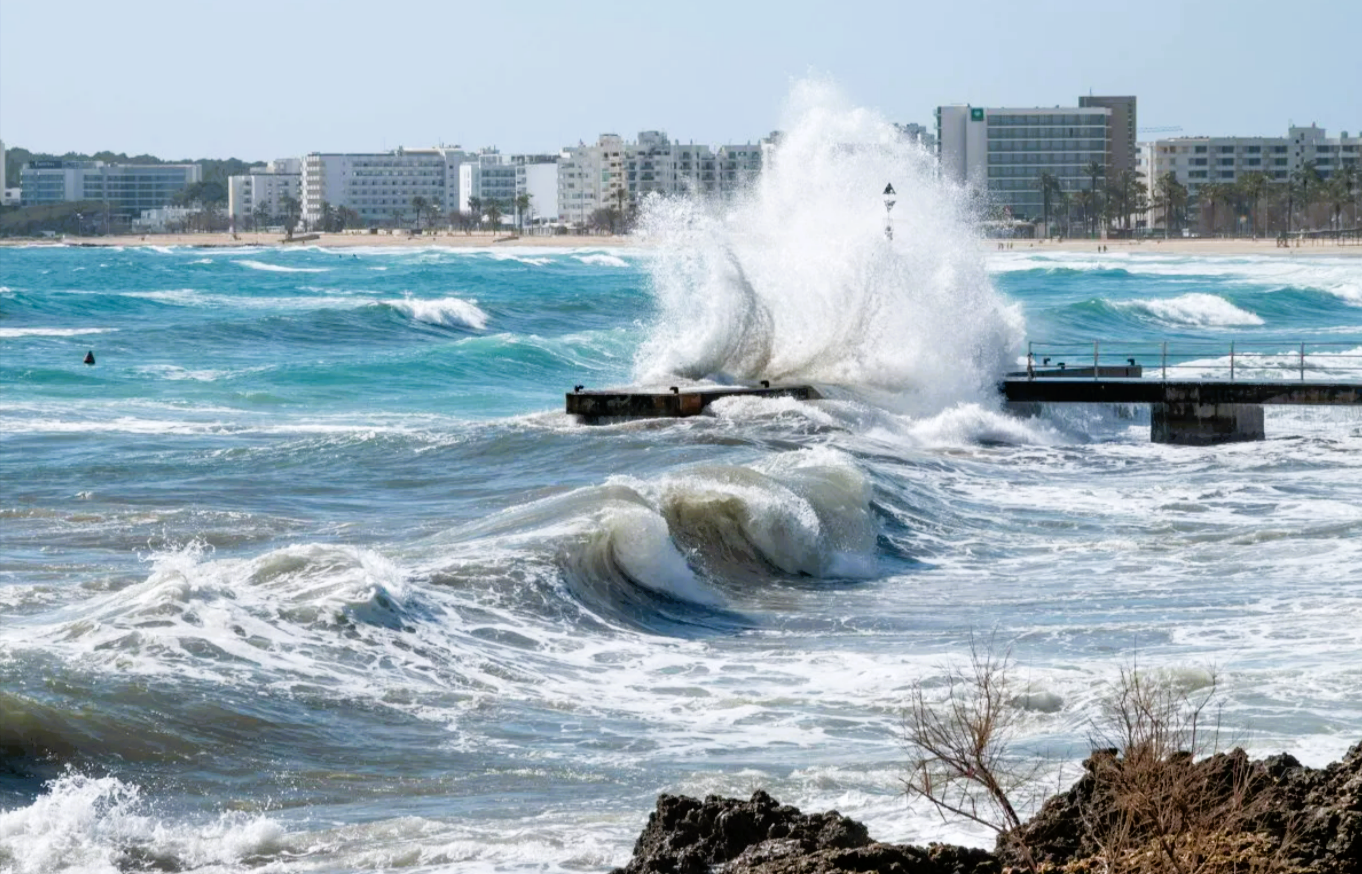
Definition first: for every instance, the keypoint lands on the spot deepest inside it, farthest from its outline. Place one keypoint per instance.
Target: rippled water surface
(309, 572)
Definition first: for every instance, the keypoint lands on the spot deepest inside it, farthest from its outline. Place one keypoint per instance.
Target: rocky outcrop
(1229, 814)
(762, 836)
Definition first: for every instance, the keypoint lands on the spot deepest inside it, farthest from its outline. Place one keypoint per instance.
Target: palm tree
(293, 211)
(475, 207)
(1253, 185)
(494, 213)
(1049, 187)
(1305, 179)
(522, 208)
(1094, 169)
(1172, 197)
(1209, 195)
(261, 215)
(418, 206)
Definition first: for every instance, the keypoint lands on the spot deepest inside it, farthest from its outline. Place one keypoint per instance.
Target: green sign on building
(976, 114)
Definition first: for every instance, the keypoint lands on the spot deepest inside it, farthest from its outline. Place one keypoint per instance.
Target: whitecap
(10, 333)
(600, 259)
(451, 312)
(279, 268)
(1199, 309)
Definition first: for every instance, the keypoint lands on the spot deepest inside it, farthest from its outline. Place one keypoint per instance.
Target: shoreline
(1179, 246)
(439, 239)
(1185, 247)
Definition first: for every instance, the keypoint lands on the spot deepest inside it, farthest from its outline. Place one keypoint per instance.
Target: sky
(260, 80)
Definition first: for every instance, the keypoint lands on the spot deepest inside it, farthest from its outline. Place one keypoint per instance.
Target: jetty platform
(594, 407)
(1199, 393)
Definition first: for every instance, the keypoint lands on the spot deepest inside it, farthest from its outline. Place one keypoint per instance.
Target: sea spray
(796, 279)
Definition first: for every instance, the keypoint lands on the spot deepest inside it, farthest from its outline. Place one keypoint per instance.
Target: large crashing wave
(795, 279)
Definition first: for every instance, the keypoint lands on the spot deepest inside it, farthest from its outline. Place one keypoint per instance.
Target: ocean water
(310, 572)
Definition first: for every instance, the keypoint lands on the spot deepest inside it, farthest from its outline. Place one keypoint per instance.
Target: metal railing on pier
(1230, 360)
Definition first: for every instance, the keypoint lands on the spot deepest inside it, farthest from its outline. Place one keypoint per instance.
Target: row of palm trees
(1305, 200)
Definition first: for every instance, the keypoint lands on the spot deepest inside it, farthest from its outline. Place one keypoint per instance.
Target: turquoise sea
(310, 572)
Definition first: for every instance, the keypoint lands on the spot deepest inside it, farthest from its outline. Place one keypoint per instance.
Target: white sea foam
(87, 824)
(1198, 309)
(11, 333)
(450, 312)
(602, 260)
(280, 268)
(1336, 275)
(521, 259)
(795, 280)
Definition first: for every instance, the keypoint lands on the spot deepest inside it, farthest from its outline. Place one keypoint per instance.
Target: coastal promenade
(458, 239)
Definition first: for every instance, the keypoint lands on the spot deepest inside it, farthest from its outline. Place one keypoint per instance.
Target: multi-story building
(1195, 161)
(488, 176)
(916, 133)
(383, 186)
(265, 185)
(615, 173)
(1122, 148)
(127, 189)
(537, 176)
(1004, 152)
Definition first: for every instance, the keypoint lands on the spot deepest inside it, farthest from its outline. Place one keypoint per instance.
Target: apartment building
(381, 186)
(615, 173)
(1003, 151)
(127, 189)
(1195, 161)
(267, 184)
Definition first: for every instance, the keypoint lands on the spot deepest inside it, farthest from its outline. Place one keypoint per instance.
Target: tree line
(1254, 205)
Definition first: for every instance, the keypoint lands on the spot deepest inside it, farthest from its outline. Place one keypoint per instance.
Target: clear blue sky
(257, 80)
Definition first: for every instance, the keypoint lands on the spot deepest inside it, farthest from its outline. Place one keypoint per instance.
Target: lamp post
(888, 208)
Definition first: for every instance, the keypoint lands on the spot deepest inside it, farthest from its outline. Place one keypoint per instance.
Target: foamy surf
(796, 281)
(450, 312)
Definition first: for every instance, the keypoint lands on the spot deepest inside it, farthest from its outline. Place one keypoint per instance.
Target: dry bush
(1165, 798)
(959, 746)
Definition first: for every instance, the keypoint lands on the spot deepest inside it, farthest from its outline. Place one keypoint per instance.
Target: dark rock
(1267, 815)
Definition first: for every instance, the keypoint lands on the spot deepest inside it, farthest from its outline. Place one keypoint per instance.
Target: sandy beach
(1183, 247)
(448, 239)
(459, 240)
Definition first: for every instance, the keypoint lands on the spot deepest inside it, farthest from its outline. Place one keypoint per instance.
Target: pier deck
(597, 406)
(1197, 393)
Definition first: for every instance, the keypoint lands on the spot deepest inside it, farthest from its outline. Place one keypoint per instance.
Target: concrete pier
(598, 406)
(1205, 424)
(1187, 412)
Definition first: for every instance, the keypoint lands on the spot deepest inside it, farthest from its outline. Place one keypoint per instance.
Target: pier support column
(1193, 424)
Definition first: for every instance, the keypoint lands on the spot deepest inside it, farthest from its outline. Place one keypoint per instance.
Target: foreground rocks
(1223, 814)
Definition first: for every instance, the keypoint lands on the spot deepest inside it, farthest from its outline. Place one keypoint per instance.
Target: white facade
(381, 187)
(1198, 160)
(489, 176)
(162, 219)
(268, 185)
(1002, 151)
(614, 173)
(537, 176)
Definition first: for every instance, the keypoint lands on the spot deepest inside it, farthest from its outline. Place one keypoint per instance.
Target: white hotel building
(267, 184)
(614, 173)
(1195, 161)
(381, 186)
(1004, 150)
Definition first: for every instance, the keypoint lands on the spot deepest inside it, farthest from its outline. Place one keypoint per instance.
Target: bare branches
(958, 745)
